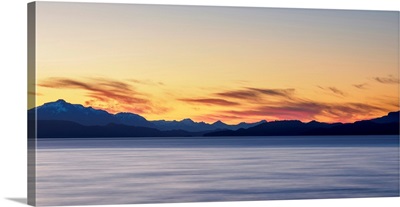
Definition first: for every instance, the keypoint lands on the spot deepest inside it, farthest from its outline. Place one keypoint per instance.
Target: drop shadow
(19, 200)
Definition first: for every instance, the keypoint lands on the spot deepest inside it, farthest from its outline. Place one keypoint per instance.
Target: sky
(232, 64)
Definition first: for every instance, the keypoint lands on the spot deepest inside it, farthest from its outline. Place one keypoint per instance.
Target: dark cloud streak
(360, 86)
(337, 91)
(146, 82)
(307, 110)
(256, 93)
(274, 92)
(387, 80)
(210, 101)
(333, 90)
(107, 93)
(239, 94)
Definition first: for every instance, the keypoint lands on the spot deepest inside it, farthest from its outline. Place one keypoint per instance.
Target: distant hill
(358, 128)
(392, 117)
(385, 125)
(275, 128)
(190, 125)
(67, 129)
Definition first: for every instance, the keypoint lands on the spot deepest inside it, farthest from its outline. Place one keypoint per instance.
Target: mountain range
(63, 119)
(87, 116)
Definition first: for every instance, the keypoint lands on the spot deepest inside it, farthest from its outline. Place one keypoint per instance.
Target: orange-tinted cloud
(307, 111)
(209, 101)
(111, 95)
(255, 93)
(146, 82)
(337, 91)
(274, 92)
(387, 80)
(281, 111)
(239, 94)
(361, 86)
(286, 105)
(333, 90)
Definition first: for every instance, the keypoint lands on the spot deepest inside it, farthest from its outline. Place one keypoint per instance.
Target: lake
(198, 169)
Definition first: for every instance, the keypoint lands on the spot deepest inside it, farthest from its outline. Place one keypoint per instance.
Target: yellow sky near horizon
(219, 63)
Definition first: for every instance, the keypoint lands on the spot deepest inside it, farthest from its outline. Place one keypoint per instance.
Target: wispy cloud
(210, 101)
(307, 110)
(239, 94)
(108, 94)
(387, 80)
(361, 86)
(254, 104)
(303, 110)
(98, 88)
(255, 93)
(274, 92)
(146, 82)
(333, 90)
(337, 91)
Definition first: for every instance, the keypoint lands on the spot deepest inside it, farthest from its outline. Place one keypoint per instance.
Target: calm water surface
(120, 171)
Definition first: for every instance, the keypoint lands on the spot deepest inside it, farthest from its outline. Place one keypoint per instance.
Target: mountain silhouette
(88, 116)
(63, 119)
(191, 126)
(61, 110)
(385, 125)
(359, 128)
(392, 117)
(275, 128)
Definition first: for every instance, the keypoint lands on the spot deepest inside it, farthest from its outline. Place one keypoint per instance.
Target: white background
(13, 103)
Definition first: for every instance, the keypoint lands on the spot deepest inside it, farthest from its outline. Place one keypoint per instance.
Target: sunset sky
(219, 63)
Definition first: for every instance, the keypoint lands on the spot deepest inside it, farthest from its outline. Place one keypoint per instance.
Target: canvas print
(131, 103)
